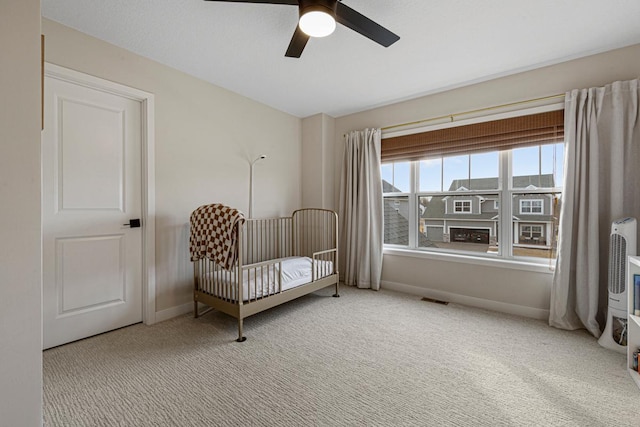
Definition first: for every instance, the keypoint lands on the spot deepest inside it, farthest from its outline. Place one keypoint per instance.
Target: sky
(545, 159)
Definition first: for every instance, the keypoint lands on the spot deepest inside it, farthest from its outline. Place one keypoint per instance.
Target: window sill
(513, 264)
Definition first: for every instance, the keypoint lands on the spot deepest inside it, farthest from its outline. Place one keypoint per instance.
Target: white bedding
(261, 282)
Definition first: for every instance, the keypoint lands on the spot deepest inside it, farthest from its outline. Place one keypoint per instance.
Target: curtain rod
(479, 110)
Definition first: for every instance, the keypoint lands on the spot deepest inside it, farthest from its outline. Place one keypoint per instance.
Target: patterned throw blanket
(214, 234)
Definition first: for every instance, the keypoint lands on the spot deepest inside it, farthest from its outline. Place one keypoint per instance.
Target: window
(395, 177)
(532, 236)
(531, 206)
(396, 219)
(501, 203)
(462, 206)
(531, 231)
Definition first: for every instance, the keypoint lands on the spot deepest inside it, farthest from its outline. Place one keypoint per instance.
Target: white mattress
(261, 282)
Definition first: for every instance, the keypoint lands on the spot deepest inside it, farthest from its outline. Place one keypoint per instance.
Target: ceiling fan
(318, 19)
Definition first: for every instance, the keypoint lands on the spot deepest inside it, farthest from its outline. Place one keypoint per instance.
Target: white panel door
(91, 171)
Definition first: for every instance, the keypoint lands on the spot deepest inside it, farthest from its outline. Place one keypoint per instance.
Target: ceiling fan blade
(293, 2)
(297, 44)
(365, 26)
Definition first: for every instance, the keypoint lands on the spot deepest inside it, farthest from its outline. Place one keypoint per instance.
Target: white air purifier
(622, 243)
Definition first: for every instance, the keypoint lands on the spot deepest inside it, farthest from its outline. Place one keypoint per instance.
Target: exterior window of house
(500, 203)
(462, 206)
(531, 231)
(531, 206)
(531, 237)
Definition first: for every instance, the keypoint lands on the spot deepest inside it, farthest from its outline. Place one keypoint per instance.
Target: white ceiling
(443, 44)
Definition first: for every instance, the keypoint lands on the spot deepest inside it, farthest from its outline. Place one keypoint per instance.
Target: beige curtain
(361, 215)
(602, 177)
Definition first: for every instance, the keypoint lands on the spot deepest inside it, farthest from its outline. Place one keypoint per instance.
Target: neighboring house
(465, 218)
(473, 218)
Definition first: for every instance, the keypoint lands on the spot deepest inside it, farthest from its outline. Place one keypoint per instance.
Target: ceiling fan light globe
(317, 24)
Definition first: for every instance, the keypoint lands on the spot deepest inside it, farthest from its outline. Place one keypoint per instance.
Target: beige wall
(205, 138)
(20, 318)
(472, 284)
(317, 161)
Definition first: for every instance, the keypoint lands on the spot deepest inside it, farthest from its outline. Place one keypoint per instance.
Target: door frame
(147, 118)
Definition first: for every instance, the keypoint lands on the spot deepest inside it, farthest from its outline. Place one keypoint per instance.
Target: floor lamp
(263, 156)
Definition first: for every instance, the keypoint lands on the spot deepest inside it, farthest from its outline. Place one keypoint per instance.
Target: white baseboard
(170, 313)
(520, 310)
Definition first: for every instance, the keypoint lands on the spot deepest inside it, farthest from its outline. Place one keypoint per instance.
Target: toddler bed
(245, 266)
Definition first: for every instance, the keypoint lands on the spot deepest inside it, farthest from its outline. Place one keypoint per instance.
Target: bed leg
(195, 309)
(336, 295)
(240, 337)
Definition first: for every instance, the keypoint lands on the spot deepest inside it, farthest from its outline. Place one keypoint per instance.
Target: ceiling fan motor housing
(326, 6)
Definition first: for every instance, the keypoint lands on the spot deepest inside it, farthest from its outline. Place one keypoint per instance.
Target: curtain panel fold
(361, 211)
(602, 175)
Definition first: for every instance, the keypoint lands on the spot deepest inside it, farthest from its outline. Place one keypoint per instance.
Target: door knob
(133, 223)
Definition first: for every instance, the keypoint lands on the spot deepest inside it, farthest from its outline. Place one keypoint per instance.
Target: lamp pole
(263, 156)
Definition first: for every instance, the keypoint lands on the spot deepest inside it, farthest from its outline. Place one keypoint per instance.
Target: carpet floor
(365, 359)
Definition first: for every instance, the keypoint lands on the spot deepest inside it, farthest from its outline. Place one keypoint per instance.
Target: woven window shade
(505, 134)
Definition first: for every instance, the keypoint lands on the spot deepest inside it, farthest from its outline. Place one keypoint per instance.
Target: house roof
(388, 188)
(532, 218)
(539, 181)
